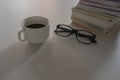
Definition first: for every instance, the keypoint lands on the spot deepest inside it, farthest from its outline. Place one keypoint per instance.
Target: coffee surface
(35, 26)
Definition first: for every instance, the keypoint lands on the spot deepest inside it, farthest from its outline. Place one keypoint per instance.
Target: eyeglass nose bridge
(74, 31)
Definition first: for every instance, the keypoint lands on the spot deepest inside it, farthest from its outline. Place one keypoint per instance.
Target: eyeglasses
(83, 36)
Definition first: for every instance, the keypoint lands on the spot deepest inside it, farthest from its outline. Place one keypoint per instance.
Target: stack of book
(102, 16)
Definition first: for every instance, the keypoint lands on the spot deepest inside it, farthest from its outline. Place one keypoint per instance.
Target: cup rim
(22, 24)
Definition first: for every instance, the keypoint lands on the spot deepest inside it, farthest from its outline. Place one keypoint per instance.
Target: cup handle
(19, 35)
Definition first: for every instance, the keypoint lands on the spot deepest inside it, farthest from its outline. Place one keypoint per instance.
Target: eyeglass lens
(63, 30)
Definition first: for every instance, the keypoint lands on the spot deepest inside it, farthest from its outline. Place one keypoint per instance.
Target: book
(99, 5)
(98, 10)
(94, 14)
(93, 28)
(113, 3)
(94, 20)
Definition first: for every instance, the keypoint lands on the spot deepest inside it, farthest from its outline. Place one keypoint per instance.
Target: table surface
(58, 58)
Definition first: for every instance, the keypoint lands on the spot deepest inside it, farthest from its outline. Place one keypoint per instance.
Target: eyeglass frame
(75, 31)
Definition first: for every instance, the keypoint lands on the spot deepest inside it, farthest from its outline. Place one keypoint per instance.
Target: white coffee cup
(34, 35)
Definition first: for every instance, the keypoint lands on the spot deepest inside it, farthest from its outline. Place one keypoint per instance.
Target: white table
(58, 58)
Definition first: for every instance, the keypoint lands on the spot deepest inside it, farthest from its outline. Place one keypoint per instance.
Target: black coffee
(35, 26)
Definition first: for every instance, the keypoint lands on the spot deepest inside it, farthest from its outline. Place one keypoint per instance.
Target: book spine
(106, 2)
(99, 5)
(99, 10)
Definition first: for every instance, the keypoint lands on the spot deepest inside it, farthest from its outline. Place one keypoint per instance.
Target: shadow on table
(59, 59)
(67, 59)
(15, 55)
